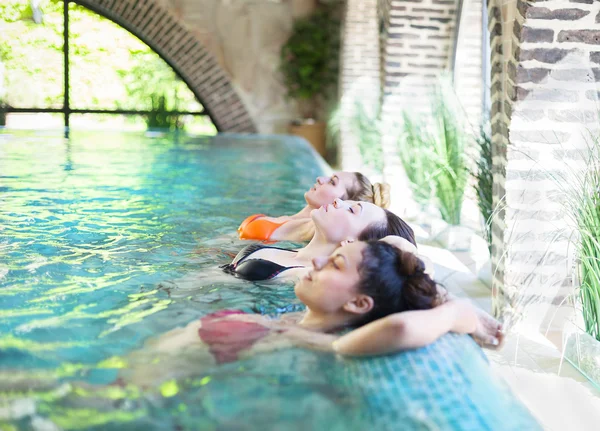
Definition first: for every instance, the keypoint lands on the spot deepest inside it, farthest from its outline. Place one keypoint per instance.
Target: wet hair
(396, 280)
(363, 191)
(393, 225)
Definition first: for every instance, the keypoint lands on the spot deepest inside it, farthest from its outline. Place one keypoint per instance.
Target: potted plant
(160, 119)
(310, 71)
(3, 112)
(433, 153)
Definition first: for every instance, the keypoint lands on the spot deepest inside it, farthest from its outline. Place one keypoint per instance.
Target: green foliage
(414, 148)
(579, 196)
(160, 116)
(309, 59)
(110, 68)
(367, 127)
(583, 206)
(484, 180)
(450, 160)
(365, 123)
(432, 150)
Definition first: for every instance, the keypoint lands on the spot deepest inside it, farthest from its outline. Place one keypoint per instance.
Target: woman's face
(327, 189)
(345, 220)
(333, 281)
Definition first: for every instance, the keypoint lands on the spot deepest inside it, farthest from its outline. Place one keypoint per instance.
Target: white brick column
(359, 72)
(544, 92)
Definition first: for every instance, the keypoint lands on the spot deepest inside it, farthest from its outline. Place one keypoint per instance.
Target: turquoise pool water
(108, 240)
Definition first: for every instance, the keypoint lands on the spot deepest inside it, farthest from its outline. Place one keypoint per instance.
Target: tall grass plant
(414, 149)
(579, 195)
(365, 125)
(433, 152)
(583, 204)
(484, 180)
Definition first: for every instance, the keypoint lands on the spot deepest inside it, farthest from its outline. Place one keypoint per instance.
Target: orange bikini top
(257, 228)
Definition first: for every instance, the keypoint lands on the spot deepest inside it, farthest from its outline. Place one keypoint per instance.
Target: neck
(304, 212)
(323, 322)
(318, 246)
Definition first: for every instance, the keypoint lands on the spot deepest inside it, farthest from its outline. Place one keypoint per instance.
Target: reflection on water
(108, 240)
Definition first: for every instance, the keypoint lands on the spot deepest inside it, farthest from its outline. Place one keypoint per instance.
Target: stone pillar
(544, 95)
(359, 73)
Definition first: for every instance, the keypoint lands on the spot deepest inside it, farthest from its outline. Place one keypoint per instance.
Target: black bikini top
(255, 269)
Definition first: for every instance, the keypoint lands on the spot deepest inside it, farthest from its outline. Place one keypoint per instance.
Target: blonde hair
(364, 191)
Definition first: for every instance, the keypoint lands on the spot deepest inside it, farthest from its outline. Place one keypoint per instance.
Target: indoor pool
(109, 240)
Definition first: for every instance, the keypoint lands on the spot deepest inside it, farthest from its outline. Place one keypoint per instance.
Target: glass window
(109, 70)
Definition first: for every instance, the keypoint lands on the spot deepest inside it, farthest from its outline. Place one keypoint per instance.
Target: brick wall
(359, 72)
(164, 33)
(468, 71)
(544, 97)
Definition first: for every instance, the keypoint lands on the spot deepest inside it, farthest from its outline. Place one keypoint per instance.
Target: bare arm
(413, 329)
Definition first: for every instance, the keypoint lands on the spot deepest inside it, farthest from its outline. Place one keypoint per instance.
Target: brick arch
(160, 30)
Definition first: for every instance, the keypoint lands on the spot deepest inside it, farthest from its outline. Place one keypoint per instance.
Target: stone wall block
(535, 74)
(530, 114)
(539, 136)
(595, 57)
(544, 55)
(496, 30)
(593, 95)
(572, 116)
(522, 7)
(586, 36)
(529, 34)
(577, 75)
(508, 109)
(570, 14)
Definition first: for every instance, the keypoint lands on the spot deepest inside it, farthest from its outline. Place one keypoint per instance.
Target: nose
(319, 262)
(338, 203)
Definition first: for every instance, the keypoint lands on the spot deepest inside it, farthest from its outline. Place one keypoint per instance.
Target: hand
(469, 319)
(488, 332)
(400, 243)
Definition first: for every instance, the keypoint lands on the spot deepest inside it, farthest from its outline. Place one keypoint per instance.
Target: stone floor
(530, 361)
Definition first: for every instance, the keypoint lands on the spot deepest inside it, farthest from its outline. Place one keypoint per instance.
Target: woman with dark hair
(374, 288)
(352, 186)
(340, 221)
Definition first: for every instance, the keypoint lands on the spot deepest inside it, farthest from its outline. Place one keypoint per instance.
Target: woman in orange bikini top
(352, 186)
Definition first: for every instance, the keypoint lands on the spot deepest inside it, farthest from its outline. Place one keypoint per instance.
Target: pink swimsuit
(226, 338)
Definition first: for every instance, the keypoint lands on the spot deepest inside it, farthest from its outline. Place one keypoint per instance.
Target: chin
(299, 288)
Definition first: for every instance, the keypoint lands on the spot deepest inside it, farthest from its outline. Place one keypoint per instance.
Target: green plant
(432, 150)
(579, 195)
(309, 60)
(160, 116)
(368, 130)
(365, 124)
(584, 207)
(484, 180)
(3, 112)
(414, 148)
(449, 142)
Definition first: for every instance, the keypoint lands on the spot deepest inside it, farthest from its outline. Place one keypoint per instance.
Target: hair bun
(408, 264)
(381, 194)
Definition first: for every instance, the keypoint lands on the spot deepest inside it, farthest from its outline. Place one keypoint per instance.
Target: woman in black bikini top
(376, 288)
(340, 221)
